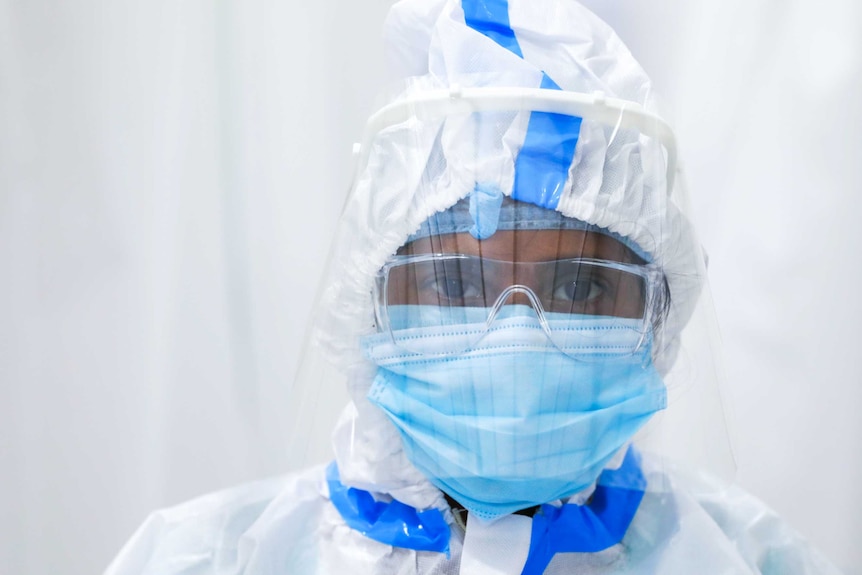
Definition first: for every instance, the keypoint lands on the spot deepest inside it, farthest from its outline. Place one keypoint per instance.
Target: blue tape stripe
(589, 528)
(542, 166)
(491, 18)
(392, 523)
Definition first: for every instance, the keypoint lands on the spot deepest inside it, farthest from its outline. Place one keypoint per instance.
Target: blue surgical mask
(514, 422)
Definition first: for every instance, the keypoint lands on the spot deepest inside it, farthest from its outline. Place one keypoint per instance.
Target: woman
(515, 296)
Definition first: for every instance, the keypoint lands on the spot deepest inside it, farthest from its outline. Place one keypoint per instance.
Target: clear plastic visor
(408, 281)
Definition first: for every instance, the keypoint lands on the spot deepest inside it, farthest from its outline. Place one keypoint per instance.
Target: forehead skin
(527, 246)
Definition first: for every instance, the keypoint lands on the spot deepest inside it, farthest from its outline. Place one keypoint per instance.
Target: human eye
(455, 283)
(580, 290)
(581, 286)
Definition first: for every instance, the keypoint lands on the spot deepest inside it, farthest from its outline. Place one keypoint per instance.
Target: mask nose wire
(534, 303)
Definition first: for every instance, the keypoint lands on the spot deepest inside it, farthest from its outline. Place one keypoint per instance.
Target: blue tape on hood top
(542, 166)
(491, 18)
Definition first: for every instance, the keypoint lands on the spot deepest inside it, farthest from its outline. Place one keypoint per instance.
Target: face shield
(516, 298)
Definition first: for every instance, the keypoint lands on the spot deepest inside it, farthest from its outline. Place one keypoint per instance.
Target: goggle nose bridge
(534, 303)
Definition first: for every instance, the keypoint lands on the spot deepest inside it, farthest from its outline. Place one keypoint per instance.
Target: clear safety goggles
(433, 304)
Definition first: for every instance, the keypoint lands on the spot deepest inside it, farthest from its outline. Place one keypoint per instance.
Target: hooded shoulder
(229, 531)
(763, 538)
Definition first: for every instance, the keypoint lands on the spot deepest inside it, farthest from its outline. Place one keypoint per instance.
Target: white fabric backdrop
(170, 173)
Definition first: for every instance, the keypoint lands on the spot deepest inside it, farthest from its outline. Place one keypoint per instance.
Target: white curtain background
(170, 175)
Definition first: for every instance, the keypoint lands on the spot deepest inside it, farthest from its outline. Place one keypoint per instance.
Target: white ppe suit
(617, 178)
(289, 526)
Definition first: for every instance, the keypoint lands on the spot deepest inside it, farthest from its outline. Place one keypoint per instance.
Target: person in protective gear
(515, 294)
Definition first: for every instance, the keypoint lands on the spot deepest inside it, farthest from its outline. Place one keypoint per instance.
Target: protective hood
(540, 101)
